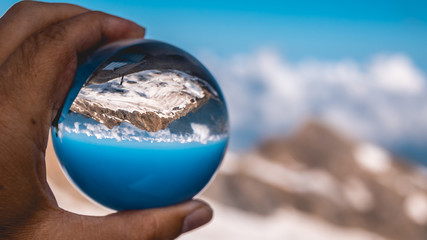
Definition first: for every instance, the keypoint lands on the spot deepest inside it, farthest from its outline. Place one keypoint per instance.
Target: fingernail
(197, 218)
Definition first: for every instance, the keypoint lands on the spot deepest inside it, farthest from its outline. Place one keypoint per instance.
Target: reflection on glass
(148, 128)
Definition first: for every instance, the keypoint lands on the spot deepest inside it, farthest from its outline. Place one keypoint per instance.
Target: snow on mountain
(372, 158)
(287, 223)
(149, 99)
(319, 173)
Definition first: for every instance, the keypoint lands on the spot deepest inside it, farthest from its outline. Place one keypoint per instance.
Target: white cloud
(200, 132)
(383, 100)
(128, 132)
(397, 74)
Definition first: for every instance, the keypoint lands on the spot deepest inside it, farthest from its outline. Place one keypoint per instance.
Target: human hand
(41, 46)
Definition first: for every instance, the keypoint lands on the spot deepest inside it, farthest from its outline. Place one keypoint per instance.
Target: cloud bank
(383, 100)
(128, 132)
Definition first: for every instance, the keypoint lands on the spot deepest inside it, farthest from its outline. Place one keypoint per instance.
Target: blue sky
(359, 65)
(329, 29)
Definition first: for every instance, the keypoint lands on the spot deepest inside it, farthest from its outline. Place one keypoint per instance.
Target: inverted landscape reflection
(142, 132)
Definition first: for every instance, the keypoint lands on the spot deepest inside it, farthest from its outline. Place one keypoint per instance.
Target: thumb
(160, 223)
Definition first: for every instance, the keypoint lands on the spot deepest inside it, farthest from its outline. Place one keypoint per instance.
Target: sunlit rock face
(148, 128)
(150, 100)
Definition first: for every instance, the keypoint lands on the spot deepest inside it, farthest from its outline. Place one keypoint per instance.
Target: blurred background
(328, 113)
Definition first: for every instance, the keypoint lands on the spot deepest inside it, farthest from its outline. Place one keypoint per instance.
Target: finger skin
(33, 82)
(160, 224)
(28, 17)
(47, 62)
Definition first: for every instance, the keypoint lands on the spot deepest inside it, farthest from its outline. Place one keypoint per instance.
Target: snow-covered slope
(150, 100)
(317, 172)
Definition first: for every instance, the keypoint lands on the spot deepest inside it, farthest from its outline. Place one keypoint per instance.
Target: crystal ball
(144, 125)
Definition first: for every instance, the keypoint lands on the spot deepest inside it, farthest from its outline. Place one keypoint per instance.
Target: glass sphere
(144, 125)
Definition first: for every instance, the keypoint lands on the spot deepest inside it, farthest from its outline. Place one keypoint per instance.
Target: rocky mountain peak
(150, 100)
(319, 172)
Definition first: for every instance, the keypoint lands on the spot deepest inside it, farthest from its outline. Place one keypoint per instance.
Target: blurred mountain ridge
(319, 172)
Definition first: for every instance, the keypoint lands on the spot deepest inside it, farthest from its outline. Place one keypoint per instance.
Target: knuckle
(53, 33)
(51, 41)
(22, 6)
(95, 14)
(46, 49)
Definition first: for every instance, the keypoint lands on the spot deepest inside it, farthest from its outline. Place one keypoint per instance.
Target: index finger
(42, 69)
(28, 17)
(35, 80)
